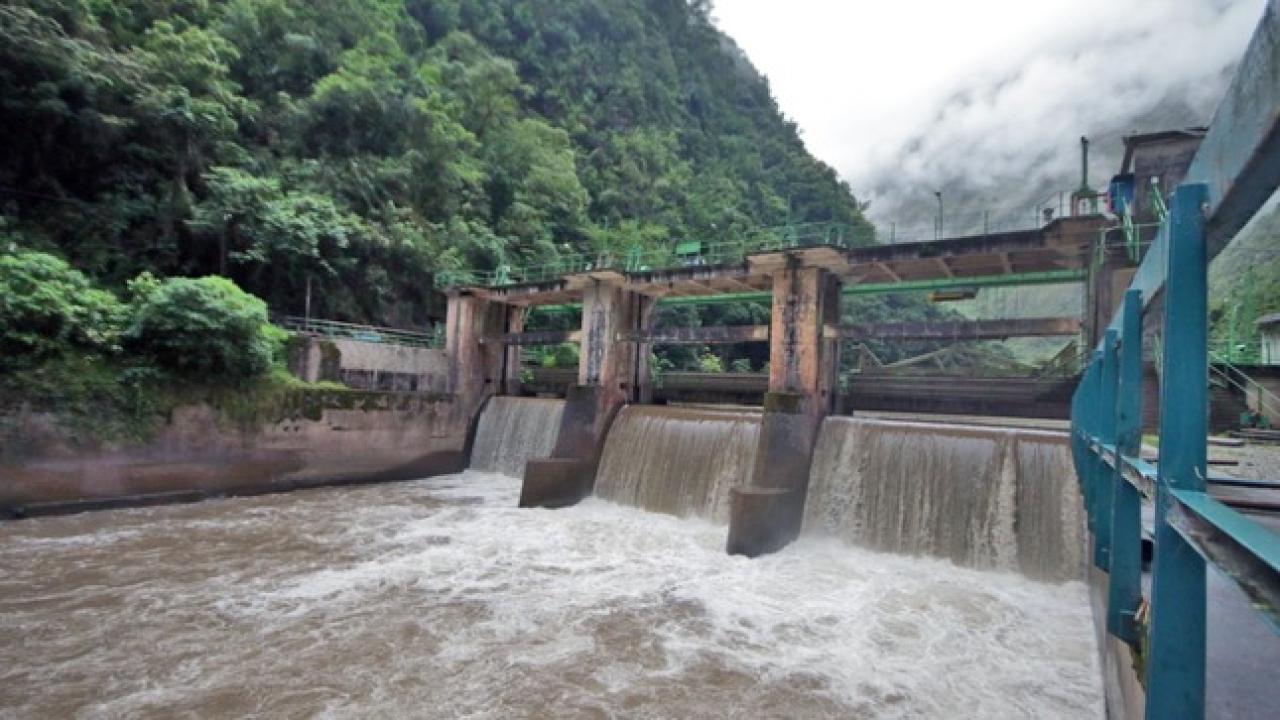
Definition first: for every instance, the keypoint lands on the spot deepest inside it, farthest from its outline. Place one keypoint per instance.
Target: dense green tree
(206, 327)
(48, 308)
(358, 147)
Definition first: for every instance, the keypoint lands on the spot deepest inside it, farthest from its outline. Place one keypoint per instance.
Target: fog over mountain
(987, 103)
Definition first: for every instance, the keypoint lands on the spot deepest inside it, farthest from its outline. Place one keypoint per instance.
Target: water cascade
(981, 497)
(512, 431)
(679, 461)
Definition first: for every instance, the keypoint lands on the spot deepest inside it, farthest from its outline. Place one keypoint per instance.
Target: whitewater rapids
(439, 598)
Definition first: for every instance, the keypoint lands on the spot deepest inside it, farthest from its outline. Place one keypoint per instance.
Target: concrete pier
(766, 515)
(610, 373)
(475, 367)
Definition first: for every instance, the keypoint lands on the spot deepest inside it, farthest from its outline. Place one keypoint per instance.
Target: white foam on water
(440, 598)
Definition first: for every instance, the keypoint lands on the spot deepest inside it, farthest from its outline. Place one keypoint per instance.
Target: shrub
(206, 326)
(48, 308)
(710, 363)
(564, 355)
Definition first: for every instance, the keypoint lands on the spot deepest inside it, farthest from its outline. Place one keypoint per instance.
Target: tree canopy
(365, 145)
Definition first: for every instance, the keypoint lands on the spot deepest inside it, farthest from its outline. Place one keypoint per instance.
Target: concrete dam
(841, 542)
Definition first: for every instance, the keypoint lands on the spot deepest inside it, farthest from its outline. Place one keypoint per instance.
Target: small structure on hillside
(1269, 339)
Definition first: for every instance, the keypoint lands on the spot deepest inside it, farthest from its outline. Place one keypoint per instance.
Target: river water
(439, 598)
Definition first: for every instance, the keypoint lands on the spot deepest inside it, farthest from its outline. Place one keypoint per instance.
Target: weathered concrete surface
(802, 378)
(369, 365)
(1108, 281)
(801, 359)
(762, 520)
(511, 359)
(383, 366)
(588, 412)
(199, 453)
(475, 367)
(610, 373)
(607, 312)
(556, 482)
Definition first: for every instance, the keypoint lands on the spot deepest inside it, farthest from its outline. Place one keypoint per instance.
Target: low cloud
(985, 101)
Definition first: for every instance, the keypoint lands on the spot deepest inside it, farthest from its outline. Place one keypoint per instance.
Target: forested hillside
(367, 144)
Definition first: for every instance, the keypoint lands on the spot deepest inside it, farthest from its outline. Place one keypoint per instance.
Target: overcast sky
(989, 94)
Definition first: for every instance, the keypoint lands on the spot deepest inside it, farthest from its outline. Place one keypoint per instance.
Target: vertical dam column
(511, 364)
(608, 376)
(475, 367)
(766, 514)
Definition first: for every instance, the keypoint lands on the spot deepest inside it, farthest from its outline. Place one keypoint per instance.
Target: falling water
(679, 461)
(1050, 525)
(514, 430)
(981, 497)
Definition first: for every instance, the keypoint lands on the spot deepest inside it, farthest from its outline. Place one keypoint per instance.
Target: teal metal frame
(1192, 530)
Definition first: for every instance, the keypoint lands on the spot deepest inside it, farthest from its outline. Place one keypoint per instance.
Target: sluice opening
(679, 461)
(513, 431)
(981, 497)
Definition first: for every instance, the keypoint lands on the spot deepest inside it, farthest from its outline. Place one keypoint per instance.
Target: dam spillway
(679, 461)
(513, 430)
(981, 497)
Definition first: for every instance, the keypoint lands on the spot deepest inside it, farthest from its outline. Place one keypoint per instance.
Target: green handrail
(683, 253)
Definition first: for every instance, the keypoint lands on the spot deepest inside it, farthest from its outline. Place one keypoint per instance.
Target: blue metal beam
(1245, 551)
(1106, 432)
(1239, 159)
(1176, 672)
(1124, 589)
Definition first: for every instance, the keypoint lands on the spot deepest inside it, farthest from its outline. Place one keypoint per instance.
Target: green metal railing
(1192, 529)
(695, 252)
(364, 333)
(683, 253)
(1233, 378)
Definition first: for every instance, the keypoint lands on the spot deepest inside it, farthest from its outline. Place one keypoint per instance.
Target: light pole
(937, 235)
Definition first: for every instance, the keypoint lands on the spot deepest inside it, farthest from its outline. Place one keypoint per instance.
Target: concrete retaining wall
(370, 366)
(330, 438)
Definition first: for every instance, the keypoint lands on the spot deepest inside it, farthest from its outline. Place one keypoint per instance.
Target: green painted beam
(1048, 277)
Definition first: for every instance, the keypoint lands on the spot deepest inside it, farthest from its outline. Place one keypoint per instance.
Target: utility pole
(937, 234)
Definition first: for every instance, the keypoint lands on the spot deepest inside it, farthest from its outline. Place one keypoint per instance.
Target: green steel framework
(1048, 277)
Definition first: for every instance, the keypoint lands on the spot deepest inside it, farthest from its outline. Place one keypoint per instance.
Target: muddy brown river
(440, 599)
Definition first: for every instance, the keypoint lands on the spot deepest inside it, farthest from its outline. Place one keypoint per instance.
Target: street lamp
(937, 235)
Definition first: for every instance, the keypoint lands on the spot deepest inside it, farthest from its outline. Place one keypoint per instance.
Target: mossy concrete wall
(312, 437)
(369, 365)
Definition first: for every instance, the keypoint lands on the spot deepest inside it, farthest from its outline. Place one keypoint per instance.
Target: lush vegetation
(111, 367)
(48, 309)
(358, 147)
(1244, 285)
(160, 156)
(200, 327)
